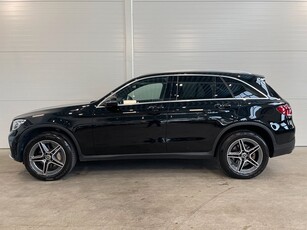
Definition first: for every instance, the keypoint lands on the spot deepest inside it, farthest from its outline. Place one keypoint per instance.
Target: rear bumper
(283, 148)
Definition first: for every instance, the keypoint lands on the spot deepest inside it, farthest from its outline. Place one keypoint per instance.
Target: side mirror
(112, 104)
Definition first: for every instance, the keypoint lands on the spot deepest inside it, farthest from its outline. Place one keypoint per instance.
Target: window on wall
(241, 90)
(194, 87)
(147, 90)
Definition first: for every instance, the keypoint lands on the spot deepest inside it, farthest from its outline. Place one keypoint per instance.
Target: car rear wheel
(243, 155)
(49, 156)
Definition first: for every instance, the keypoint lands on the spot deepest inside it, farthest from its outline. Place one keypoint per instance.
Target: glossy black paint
(168, 128)
(190, 129)
(130, 129)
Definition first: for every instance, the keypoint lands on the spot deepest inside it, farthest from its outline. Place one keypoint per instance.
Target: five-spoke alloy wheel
(49, 156)
(243, 155)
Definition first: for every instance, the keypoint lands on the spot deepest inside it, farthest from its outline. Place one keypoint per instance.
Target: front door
(138, 124)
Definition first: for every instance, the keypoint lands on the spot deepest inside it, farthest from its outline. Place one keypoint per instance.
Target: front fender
(42, 128)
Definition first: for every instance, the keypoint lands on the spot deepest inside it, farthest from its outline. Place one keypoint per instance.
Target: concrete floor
(156, 194)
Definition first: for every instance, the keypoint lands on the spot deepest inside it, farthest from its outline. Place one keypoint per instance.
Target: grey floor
(156, 194)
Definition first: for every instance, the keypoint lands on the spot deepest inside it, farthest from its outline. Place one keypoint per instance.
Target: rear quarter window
(241, 90)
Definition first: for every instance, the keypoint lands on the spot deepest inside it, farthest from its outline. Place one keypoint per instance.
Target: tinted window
(221, 90)
(241, 90)
(146, 90)
(194, 87)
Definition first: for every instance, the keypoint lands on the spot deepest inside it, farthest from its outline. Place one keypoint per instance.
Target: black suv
(235, 117)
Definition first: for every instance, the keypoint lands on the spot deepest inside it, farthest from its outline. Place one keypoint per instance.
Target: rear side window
(241, 90)
(194, 87)
(221, 89)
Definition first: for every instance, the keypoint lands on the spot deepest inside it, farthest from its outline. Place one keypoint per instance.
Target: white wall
(57, 52)
(265, 37)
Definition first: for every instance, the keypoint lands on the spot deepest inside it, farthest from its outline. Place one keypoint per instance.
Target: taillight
(285, 110)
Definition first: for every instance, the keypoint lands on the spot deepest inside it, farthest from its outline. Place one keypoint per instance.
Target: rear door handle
(226, 106)
(222, 106)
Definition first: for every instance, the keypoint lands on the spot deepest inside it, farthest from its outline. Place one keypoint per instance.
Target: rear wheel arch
(243, 154)
(259, 129)
(29, 134)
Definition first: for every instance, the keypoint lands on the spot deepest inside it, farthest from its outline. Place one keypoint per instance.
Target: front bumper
(13, 143)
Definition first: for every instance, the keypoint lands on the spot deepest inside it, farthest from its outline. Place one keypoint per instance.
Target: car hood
(62, 109)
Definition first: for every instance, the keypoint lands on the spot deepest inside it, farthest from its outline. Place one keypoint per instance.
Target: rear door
(201, 107)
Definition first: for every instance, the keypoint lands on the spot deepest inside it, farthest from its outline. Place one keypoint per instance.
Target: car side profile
(236, 117)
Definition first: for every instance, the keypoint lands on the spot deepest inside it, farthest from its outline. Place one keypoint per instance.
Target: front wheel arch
(29, 134)
(49, 156)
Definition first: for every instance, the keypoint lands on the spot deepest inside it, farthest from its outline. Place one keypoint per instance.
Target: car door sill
(186, 155)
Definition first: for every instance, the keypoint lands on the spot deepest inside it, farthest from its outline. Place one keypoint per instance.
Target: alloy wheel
(244, 156)
(47, 158)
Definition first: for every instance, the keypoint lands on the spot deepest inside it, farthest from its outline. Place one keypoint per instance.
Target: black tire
(236, 157)
(38, 153)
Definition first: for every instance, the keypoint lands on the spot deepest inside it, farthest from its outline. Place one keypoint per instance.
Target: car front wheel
(49, 156)
(243, 155)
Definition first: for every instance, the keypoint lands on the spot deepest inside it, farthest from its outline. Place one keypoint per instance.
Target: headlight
(17, 123)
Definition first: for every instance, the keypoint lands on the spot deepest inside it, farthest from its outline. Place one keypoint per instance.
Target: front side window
(241, 90)
(147, 90)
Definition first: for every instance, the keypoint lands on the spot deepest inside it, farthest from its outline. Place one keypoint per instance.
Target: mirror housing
(112, 104)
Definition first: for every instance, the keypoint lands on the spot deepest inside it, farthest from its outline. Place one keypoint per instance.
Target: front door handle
(153, 109)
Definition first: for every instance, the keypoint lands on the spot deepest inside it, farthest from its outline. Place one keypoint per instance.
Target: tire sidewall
(61, 140)
(229, 139)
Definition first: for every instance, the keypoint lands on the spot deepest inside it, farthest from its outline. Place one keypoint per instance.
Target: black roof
(236, 74)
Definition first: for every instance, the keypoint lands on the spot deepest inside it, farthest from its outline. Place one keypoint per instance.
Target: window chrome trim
(129, 112)
(187, 100)
(196, 110)
(190, 100)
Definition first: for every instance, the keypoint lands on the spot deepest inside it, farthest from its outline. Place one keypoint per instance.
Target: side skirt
(190, 155)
